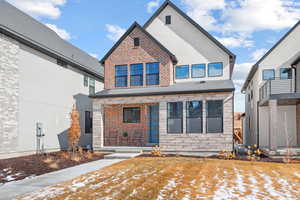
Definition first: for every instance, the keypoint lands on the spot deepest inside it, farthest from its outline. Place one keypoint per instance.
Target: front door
(153, 113)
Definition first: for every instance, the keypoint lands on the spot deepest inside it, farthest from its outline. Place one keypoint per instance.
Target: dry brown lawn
(173, 178)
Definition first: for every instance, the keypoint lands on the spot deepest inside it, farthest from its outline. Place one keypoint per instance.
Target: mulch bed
(241, 158)
(13, 169)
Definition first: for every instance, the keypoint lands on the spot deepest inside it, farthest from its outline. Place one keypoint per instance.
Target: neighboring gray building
(272, 89)
(41, 77)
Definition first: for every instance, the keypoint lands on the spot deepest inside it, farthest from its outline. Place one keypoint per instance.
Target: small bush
(226, 154)
(156, 151)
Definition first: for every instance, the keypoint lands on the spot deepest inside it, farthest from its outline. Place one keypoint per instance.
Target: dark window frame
(194, 65)
(127, 121)
(136, 42)
(85, 81)
(207, 116)
(180, 117)
(189, 117)
(137, 75)
(168, 20)
(188, 74)
(208, 67)
(152, 74)
(121, 76)
(263, 77)
(88, 122)
(92, 83)
(289, 70)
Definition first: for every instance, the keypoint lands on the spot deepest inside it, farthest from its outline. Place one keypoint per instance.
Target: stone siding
(177, 142)
(147, 52)
(9, 93)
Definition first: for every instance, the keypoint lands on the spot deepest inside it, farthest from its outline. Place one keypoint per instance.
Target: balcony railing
(276, 86)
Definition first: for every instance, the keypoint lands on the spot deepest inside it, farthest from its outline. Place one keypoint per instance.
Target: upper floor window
(168, 19)
(194, 117)
(198, 71)
(85, 81)
(152, 73)
(92, 86)
(136, 42)
(285, 73)
(214, 116)
(215, 69)
(175, 110)
(136, 74)
(182, 72)
(131, 115)
(268, 74)
(121, 75)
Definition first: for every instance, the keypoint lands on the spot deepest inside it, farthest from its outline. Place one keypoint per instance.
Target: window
(214, 118)
(168, 19)
(198, 71)
(92, 86)
(194, 117)
(268, 74)
(285, 73)
(88, 122)
(136, 42)
(152, 73)
(136, 74)
(61, 63)
(215, 69)
(85, 81)
(182, 72)
(175, 117)
(121, 75)
(131, 115)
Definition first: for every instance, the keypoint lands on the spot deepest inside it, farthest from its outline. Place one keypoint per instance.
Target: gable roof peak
(190, 20)
(130, 29)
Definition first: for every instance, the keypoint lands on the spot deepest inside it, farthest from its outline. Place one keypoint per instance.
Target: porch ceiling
(282, 99)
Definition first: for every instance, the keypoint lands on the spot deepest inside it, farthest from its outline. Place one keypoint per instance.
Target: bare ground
(181, 178)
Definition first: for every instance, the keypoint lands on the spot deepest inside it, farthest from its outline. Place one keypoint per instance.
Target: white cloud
(201, 11)
(114, 32)
(254, 15)
(152, 5)
(40, 8)
(61, 32)
(94, 55)
(235, 41)
(257, 54)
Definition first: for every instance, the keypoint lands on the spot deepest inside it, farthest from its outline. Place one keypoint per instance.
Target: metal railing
(276, 86)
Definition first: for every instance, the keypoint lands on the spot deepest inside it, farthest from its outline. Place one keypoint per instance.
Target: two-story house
(272, 91)
(166, 83)
(41, 77)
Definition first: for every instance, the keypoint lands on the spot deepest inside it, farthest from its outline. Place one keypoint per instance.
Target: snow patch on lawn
(297, 174)
(48, 192)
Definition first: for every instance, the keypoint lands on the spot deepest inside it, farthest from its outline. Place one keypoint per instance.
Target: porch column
(204, 116)
(184, 118)
(298, 123)
(273, 125)
(162, 118)
(98, 124)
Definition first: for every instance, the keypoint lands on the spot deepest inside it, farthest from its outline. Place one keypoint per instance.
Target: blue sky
(247, 27)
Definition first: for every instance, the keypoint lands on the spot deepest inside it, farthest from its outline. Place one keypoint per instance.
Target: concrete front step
(121, 155)
(125, 149)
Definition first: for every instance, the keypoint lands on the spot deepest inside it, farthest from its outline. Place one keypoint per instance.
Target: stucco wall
(46, 94)
(189, 45)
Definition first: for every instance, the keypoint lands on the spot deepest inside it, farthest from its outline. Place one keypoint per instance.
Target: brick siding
(148, 51)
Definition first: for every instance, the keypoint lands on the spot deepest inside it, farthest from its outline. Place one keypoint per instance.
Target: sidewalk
(13, 189)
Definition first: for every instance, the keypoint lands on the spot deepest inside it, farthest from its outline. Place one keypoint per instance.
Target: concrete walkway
(13, 189)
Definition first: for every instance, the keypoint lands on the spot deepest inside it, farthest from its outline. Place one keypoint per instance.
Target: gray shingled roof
(26, 29)
(178, 88)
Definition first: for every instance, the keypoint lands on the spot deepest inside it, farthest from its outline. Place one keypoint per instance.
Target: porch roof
(178, 88)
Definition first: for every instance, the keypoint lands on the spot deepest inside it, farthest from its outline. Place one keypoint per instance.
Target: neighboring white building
(272, 92)
(41, 77)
